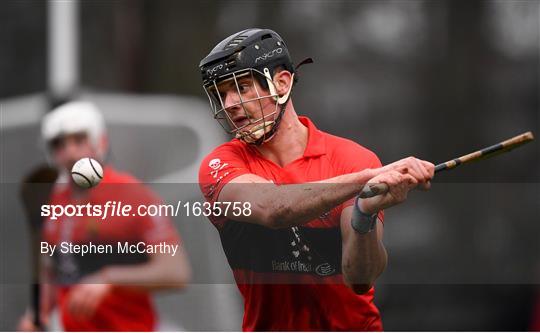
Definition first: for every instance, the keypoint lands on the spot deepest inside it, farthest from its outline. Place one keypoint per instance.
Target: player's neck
(290, 140)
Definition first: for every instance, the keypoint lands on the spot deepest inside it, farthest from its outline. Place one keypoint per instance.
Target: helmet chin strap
(275, 124)
(264, 132)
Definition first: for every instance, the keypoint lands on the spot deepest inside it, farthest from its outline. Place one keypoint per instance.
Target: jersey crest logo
(215, 163)
(216, 166)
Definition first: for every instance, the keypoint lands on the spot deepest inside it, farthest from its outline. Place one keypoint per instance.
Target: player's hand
(26, 322)
(399, 185)
(422, 171)
(87, 295)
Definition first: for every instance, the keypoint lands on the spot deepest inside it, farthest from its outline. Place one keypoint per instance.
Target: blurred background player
(103, 291)
(305, 256)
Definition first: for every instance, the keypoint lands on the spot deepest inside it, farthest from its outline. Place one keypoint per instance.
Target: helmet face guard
(256, 127)
(252, 54)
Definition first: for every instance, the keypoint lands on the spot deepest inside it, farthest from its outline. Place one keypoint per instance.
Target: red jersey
(122, 309)
(291, 278)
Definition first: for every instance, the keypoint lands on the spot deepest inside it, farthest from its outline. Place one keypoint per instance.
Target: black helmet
(248, 49)
(255, 53)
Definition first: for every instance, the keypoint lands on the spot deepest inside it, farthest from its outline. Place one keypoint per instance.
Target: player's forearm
(292, 205)
(364, 259)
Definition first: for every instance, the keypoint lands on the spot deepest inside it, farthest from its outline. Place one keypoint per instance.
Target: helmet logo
(212, 70)
(270, 54)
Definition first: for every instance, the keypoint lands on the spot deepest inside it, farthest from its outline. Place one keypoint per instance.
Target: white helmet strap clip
(281, 100)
